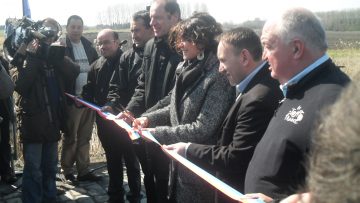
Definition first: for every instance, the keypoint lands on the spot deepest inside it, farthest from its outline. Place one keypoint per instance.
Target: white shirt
(82, 60)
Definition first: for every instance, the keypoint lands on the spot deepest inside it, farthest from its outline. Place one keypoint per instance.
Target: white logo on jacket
(295, 115)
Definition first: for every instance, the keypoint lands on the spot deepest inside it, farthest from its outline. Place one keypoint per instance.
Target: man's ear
(175, 18)
(245, 56)
(298, 48)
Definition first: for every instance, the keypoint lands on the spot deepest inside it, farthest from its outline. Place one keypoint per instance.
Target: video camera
(24, 30)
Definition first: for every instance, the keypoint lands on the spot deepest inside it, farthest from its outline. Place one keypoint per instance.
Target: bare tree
(119, 14)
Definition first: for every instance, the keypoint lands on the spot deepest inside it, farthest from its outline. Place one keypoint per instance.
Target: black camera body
(52, 54)
(25, 30)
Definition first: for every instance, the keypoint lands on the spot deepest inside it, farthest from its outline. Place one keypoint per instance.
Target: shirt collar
(244, 83)
(294, 80)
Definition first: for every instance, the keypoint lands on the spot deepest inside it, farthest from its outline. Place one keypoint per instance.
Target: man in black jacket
(122, 87)
(76, 140)
(156, 80)
(124, 80)
(295, 47)
(7, 118)
(239, 53)
(116, 143)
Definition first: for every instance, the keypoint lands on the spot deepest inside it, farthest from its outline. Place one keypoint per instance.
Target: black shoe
(116, 200)
(9, 179)
(89, 177)
(70, 177)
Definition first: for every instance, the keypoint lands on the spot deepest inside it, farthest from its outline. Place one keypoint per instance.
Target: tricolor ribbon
(134, 134)
(106, 115)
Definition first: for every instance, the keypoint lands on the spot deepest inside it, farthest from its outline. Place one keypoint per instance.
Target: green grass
(348, 59)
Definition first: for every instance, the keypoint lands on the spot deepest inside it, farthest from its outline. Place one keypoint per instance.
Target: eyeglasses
(104, 43)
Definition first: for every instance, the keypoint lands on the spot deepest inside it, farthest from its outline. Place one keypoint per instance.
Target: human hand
(126, 116)
(33, 46)
(179, 147)
(62, 41)
(298, 198)
(141, 122)
(152, 130)
(107, 109)
(77, 103)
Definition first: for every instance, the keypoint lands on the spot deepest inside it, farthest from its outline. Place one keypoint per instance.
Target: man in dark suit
(239, 53)
(295, 46)
(156, 79)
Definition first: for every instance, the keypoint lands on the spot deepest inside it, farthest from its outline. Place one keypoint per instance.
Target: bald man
(115, 144)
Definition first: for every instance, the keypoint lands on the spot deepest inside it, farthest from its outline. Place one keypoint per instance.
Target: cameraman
(6, 118)
(40, 84)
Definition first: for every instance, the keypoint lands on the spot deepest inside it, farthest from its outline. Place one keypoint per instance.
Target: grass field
(347, 59)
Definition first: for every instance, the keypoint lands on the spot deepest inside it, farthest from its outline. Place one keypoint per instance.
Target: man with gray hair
(295, 47)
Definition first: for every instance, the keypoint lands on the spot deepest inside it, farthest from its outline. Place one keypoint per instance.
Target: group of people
(243, 107)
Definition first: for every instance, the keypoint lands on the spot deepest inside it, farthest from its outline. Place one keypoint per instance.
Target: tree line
(119, 16)
(344, 20)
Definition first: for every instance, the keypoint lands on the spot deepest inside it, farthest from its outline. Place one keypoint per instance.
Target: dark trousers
(5, 148)
(117, 145)
(40, 168)
(155, 166)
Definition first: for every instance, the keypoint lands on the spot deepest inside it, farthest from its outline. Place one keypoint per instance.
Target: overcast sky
(235, 11)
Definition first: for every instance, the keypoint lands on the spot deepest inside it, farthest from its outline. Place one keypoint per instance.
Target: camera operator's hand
(62, 41)
(33, 46)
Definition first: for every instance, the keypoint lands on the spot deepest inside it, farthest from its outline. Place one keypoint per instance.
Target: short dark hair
(243, 38)
(201, 29)
(74, 17)
(144, 15)
(172, 7)
(56, 25)
(53, 22)
(115, 35)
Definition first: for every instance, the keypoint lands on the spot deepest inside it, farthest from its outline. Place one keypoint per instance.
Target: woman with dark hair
(198, 103)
